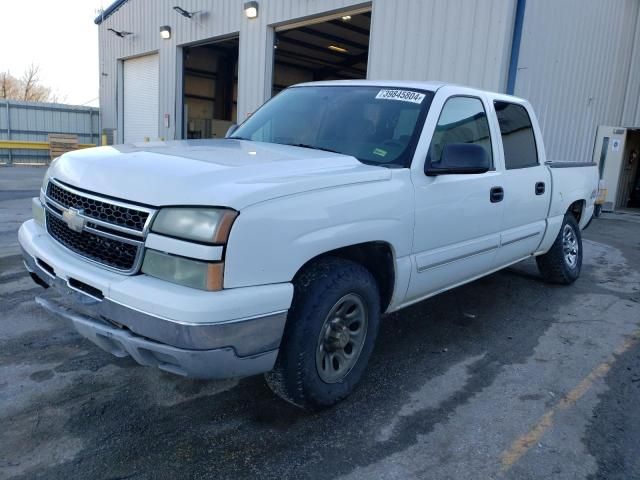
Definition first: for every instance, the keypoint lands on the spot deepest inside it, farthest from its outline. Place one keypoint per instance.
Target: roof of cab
(420, 85)
(432, 86)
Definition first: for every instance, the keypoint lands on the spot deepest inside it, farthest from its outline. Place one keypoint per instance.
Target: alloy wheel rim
(342, 338)
(570, 246)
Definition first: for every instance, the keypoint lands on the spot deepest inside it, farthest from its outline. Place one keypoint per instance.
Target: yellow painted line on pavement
(522, 445)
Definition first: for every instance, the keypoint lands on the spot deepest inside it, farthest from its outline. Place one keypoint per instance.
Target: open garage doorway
(335, 48)
(210, 86)
(617, 153)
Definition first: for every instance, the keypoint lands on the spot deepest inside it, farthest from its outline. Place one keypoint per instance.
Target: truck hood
(226, 172)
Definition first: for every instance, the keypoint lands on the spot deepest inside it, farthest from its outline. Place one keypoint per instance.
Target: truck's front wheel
(329, 336)
(563, 262)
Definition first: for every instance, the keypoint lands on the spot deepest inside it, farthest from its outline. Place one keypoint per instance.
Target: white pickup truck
(277, 249)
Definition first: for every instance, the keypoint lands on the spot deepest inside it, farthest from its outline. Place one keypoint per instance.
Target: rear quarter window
(518, 139)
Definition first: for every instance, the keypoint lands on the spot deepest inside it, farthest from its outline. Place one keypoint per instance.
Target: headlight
(207, 225)
(183, 271)
(204, 225)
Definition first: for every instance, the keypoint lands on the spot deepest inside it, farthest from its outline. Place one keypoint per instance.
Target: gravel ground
(506, 377)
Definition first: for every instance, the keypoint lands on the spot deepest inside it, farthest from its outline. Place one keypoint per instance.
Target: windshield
(376, 125)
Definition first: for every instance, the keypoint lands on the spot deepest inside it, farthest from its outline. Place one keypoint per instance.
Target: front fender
(271, 241)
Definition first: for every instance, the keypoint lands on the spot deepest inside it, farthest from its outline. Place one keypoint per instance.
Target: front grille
(100, 210)
(107, 251)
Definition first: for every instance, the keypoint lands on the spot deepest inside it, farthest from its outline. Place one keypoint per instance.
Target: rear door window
(518, 139)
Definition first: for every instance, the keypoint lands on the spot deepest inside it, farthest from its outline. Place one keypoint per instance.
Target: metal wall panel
(575, 67)
(143, 18)
(465, 41)
(33, 121)
(218, 18)
(256, 44)
(461, 41)
(631, 111)
(579, 60)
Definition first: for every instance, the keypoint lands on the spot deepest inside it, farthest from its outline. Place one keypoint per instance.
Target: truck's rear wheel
(329, 336)
(563, 262)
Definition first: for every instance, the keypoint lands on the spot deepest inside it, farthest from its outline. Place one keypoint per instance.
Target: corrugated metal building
(577, 61)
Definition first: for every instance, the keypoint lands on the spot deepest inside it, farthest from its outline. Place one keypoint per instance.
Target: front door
(457, 219)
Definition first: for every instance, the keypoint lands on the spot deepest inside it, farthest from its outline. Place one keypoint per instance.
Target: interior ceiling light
(184, 12)
(251, 9)
(336, 48)
(346, 18)
(165, 32)
(120, 33)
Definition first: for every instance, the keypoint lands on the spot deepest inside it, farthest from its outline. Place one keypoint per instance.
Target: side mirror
(460, 158)
(232, 129)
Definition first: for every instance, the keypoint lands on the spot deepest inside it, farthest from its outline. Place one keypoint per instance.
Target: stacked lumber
(60, 143)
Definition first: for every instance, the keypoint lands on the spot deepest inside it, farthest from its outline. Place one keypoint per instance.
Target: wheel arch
(377, 257)
(577, 209)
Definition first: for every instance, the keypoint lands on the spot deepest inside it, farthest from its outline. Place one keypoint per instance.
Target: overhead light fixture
(251, 9)
(336, 48)
(346, 18)
(165, 32)
(184, 12)
(120, 33)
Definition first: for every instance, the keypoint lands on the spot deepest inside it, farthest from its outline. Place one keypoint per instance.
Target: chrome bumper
(214, 350)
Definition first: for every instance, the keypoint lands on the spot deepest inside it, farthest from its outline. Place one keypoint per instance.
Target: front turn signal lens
(184, 271)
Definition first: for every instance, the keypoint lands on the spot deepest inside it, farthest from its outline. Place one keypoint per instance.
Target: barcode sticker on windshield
(401, 95)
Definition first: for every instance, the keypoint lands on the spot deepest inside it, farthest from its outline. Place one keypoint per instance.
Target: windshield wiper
(303, 145)
(314, 147)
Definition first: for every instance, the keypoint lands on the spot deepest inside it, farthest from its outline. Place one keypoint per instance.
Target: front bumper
(213, 364)
(200, 334)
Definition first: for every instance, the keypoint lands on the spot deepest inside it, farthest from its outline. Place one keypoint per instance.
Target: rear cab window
(518, 138)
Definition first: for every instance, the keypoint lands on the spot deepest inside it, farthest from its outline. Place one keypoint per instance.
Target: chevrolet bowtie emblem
(73, 219)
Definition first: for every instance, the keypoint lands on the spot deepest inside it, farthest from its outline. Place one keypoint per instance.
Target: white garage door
(141, 97)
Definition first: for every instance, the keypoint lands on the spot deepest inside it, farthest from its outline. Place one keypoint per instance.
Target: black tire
(554, 265)
(319, 288)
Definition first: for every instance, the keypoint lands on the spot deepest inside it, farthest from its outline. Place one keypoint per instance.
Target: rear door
(457, 222)
(527, 183)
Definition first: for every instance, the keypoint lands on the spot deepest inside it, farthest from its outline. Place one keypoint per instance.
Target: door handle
(496, 195)
(540, 188)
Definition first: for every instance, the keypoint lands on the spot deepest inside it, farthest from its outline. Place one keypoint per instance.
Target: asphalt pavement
(506, 377)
